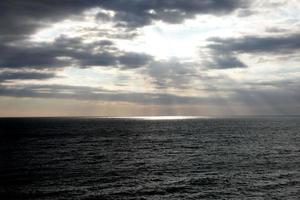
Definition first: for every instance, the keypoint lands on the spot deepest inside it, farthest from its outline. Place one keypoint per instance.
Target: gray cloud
(245, 12)
(141, 13)
(254, 44)
(223, 52)
(224, 61)
(42, 56)
(286, 83)
(23, 75)
(134, 60)
(171, 74)
(69, 51)
(276, 30)
(279, 100)
(98, 94)
(283, 99)
(19, 18)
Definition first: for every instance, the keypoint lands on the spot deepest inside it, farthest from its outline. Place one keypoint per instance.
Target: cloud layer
(64, 52)
(212, 53)
(132, 13)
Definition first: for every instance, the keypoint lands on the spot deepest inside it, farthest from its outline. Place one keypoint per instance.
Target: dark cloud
(23, 75)
(69, 51)
(140, 13)
(19, 18)
(41, 56)
(134, 60)
(224, 52)
(276, 30)
(224, 61)
(98, 94)
(171, 74)
(245, 12)
(86, 59)
(289, 83)
(283, 95)
(279, 100)
(254, 44)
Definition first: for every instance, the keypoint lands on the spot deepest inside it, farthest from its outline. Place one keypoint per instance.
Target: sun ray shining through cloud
(162, 57)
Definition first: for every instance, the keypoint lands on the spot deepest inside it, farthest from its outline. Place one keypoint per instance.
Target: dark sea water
(98, 158)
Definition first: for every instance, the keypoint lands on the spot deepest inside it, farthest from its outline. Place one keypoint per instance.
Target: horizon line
(159, 116)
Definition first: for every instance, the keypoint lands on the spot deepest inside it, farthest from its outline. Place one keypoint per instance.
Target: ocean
(150, 158)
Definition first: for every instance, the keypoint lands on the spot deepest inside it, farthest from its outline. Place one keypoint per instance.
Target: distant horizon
(149, 99)
(160, 116)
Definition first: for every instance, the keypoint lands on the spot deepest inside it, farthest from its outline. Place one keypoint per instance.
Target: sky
(149, 57)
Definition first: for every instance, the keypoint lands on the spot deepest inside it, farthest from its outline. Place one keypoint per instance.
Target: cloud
(19, 18)
(171, 73)
(140, 13)
(276, 30)
(69, 51)
(245, 12)
(280, 99)
(224, 61)
(223, 53)
(97, 94)
(22, 18)
(134, 60)
(282, 44)
(24, 75)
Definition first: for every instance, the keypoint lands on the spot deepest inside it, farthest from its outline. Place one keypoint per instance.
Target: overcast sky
(149, 57)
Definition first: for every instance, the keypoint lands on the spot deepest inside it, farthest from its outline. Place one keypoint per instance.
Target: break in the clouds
(184, 56)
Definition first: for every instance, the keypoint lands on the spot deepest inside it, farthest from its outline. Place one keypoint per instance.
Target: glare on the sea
(153, 117)
(165, 117)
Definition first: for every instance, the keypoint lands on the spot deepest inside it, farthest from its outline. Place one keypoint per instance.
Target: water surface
(119, 158)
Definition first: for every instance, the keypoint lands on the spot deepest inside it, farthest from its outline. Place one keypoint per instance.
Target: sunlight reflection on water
(160, 117)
